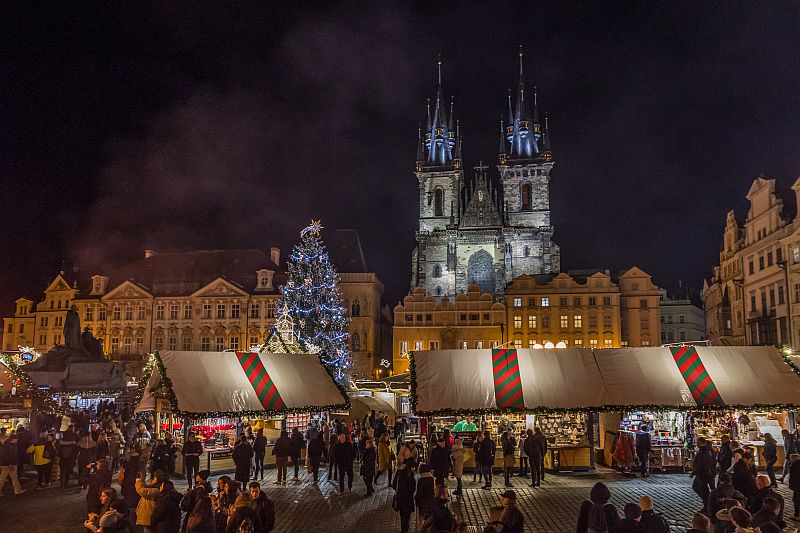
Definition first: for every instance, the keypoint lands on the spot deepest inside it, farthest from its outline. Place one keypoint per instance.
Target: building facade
(681, 320)
(483, 230)
(425, 322)
(205, 300)
(753, 294)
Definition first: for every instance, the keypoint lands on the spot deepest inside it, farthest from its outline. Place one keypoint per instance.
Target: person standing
(725, 454)
(425, 494)
(440, 461)
(703, 469)
(541, 440)
(386, 458)
(789, 447)
(743, 479)
(405, 487)
(333, 440)
(298, 444)
(643, 446)
(794, 482)
(523, 457)
(486, 458)
(770, 453)
(512, 518)
(99, 479)
(86, 455)
(191, 451)
(9, 459)
(67, 454)
(259, 451)
(457, 460)
(316, 449)
(43, 454)
(265, 508)
(242, 456)
(281, 451)
(597, 513)
(368, 461)
(116, 444)
(509, 444)
(534, 452)
(24, 441)
(166, 517)
(343, 455)
(477, 473)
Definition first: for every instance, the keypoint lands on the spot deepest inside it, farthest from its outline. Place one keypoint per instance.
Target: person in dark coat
(99, 479)
(265, 508)
(130, 468)
(160, 456)
(440, 517)
(191, 451)
(440, 461)
(770, 453)
(533, 450)
(486, 459)
(67, 453)
(282, 450)
(541, 440)
(243, 509)
(703, 470)
(369, 460)
(597, 512)
(242, 457)
(166, 517)
(189, 502)
(631, 522)
(405, 485)
(742, 476)
(201, 518)
(769, 512)
(724, 491)
(259, 451)
(725, 454)
(765, 491)
(512, 518)
(316, 449)
(794, 482)
(651, 521)
(643, 446)
(343, 454)
(789, 447)
(298, 443)
(425, 493)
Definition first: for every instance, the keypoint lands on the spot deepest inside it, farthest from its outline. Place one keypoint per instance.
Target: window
(563, 301)
(10, 328)
(606, 300)
(42, 340)
(753, 297)
(173, 312)
(205, 343)
(433, 345)
(564, 322)
(607, 321)
(545, 322)
(428, 318)
(117, 313)
(473, 316)
(577, 321)
(220, 343)
(778, 254)
(355, 309)
(578, 342)
(437, 271)
(681, 319)
(795, 255)
(221, 314)
(418, 345)
(59, 321)
(531, 302)
(781, 296)
(531, 321)
(525, 196)
(172, 343)
(576, 302)
(479, 345)
(255, 310)
(114, 343)
(89, 315)
(101, 313)
(186, 343)
(645, 323)
(662, 319)
(438, 291)
(526, 251)
(271, 309)
(643, 304)
(517, 321)
(592, 321)
(645, 343)
(206, 310)
(141, 313)
(495, 344)
(160, 312)
(750, 268)
(57, 339)
(592, 300)
(761, 262)
(42, 322)
(769, 258)
(438, 202)
(22, 328)
(683, 335)
(403, 347)
(593, 343)
(607, 343)
(545, 301)
(517, 302)
(254, 341)
(486, 317)
(419, 318)
(772, 296)
(159, 343)
(187, 312)
(234, 343)
(518, 343)
(355, 342)
(236, 310)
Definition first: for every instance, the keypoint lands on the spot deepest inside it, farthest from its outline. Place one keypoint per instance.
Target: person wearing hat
(629, 524)
(512, 519)
(651, 521)
(703, 470)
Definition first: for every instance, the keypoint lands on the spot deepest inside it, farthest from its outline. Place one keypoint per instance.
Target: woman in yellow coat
(385, 457)
(43, 454)
(148, 494)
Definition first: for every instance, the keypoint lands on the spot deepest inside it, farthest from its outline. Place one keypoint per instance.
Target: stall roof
(374, 404)
(678, 377)
(206, 384)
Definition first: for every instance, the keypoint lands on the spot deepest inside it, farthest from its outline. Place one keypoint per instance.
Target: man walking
(534, 453)
(343, 455)
(191, 452)
(643, 445)
(703, 469)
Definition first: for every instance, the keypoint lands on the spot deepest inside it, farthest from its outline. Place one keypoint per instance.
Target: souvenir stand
(202, 386)
(681, 392)
(20, 398)
(560, 386)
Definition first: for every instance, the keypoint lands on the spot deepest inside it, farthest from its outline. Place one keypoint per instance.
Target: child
(794, 482)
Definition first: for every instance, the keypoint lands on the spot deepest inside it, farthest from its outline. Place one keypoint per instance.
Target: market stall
(21, 401)
(217, 389)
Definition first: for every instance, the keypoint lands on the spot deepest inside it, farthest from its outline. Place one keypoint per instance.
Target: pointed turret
(420, 149)
(524, 131)
(457, 155)
(502, 151)
(546, 153)
(440, 138)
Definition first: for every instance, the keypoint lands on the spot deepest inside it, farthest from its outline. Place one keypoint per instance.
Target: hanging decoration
(24, 387)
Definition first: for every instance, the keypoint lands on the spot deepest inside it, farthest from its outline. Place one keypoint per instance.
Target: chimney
(275, 255)
(149, 253)
(796, 189)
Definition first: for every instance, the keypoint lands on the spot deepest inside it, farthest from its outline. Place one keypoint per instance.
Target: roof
(345, 252)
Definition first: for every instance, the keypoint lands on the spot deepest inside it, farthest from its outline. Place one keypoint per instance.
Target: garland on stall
(165, 390)
(787, 355)
(602, 409)
(29, 389)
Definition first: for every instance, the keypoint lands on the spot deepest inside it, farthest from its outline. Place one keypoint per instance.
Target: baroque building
(483, 230)
(681, 319)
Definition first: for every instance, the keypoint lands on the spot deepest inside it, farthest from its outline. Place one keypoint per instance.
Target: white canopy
(525, 380)
(200, 384)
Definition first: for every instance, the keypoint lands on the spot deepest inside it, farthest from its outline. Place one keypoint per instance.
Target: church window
(527, 251)
(480, 270)
(438, 202)
(438, 291)
(437, 271)
(525, 193)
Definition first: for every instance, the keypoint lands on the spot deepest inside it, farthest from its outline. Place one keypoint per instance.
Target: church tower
(525, 161)
(440, 178)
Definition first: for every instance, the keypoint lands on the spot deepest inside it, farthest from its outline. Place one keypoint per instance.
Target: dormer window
(264, 279)
(99, 284)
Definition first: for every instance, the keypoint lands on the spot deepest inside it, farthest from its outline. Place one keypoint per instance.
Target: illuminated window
(206, 310)
(478, 345)
(545, 301)
(531, 342)
(403, 347)
(517, 302)
(564, 322)
(531, 321)
(464, 345)
(495, 344)
(645, 343)
(577, 321)
(173, 312)
(517, 343)
(593, 343)
(607, 343)
(517, 321)
(578, 342)
(418, 345)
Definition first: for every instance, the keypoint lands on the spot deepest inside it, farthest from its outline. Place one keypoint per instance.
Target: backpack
(246, 526)
(597, 519)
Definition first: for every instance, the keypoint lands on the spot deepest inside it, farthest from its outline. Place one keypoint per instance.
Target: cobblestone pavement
(304, 507)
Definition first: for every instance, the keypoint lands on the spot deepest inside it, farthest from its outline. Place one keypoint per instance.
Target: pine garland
(29, 389)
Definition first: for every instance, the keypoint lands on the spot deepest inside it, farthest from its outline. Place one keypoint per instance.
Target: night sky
(176, 126)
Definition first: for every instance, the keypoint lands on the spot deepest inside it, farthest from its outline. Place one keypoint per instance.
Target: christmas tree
(312, 299)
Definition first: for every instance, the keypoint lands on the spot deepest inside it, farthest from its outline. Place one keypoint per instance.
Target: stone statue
(74, 349)
(72, 330)
(92, 345)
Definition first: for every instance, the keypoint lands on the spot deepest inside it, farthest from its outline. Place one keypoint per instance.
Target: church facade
(484, 229)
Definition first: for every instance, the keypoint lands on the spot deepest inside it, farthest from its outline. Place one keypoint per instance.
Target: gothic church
(484, 230)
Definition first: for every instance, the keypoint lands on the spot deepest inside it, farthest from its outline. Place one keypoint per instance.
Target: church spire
(524, 132)
(502, 151)
(440, 138)
(420, 148)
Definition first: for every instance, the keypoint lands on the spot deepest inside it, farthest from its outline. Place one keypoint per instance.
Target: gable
(127, 290)
(58, 284)
(481, 211)
(219, 288)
